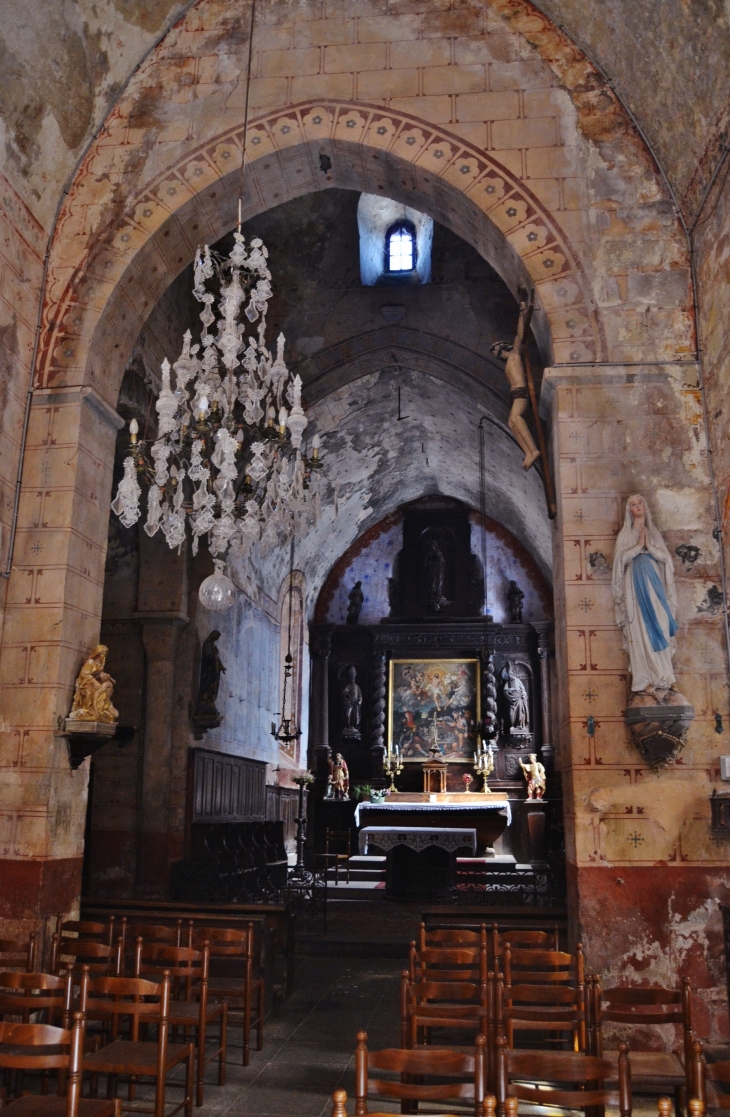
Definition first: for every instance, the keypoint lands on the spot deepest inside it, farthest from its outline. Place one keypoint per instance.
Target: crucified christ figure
(515, 372)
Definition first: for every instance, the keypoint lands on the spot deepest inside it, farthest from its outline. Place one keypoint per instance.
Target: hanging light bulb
(217, 592)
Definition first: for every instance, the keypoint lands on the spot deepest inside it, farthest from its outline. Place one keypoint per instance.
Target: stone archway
(492, 96)
(102, 306)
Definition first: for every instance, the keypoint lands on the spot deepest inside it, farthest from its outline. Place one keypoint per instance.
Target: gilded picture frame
(423, 693)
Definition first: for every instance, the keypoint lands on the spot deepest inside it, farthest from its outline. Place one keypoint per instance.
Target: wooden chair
(178, 935)
(653, 1072)
(451, 937)
(560, 1079)
(448, 963)
(548, 1010)
(25, 994)
(244, 988)
(411, 1068)
(522, 940)
(700, 1072)
(99, 957)
(541, 967)
(188, 968)
(338, 837)
(113, 999)
(88, 929)
(57, 1049)
(18, 955)
(425, 1005)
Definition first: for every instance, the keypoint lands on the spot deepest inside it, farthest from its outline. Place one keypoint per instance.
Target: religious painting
(433, 700)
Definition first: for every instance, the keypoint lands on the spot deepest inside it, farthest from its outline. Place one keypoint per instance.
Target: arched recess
(103, 305)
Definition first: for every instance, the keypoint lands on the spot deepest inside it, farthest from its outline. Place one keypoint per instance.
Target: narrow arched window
(400, 247)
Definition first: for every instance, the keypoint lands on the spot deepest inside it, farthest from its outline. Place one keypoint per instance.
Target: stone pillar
(160, 635)
(162, 601)
(638, 841)
(547, 751)
(52, 621)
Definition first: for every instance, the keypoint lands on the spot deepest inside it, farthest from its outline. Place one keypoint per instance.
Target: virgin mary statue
(645, 598)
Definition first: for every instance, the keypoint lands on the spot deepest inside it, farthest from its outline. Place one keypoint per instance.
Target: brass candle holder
(484, 760)
(392, 767)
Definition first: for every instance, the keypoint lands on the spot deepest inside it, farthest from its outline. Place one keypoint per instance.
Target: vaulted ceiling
(65, 61)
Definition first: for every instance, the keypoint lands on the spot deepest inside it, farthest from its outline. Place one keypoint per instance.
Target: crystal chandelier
(229, 456)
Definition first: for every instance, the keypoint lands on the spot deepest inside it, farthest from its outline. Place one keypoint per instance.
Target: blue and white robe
(650, 622)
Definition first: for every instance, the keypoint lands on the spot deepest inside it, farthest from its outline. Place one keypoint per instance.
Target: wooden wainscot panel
(225, 787)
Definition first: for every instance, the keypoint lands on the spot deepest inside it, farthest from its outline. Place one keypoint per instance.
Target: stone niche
(435, 575)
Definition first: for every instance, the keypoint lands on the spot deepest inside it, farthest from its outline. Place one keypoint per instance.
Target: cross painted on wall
(590, 695)
(635, 839)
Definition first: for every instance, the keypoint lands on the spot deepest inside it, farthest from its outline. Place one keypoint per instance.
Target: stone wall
(639, 842)
(487, 117)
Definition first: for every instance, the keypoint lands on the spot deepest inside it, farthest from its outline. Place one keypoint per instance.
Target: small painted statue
(534, 773)
(515, 598)
(340, 777)
(94, 689)
(355, 599)
(515, 695)
(351, 704)
(211, 670)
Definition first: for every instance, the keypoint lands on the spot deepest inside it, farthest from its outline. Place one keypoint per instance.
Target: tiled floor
(309, 1041)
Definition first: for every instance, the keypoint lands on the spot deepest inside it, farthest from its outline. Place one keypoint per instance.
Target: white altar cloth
(496, 805)
(417, 838)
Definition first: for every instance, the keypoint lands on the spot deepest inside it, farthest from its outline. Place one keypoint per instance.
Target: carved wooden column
(320, 646)
(377, 736)
(489, 695)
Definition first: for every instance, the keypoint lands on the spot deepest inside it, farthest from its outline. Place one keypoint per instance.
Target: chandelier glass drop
(229, 457)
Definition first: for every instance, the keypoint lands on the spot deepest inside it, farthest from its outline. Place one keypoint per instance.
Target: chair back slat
(42, 1047)
(185, 967)
(448, 963)
(412, 1067)
(566, 1080)
(451, 936)
(640, 1006)
(113, 998)
(98, 956)
(181, 934)
(24, 994)
(18, 955)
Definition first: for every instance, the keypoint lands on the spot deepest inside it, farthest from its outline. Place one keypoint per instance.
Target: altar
(487, 813)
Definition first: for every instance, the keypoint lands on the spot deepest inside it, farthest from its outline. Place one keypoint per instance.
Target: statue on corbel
(646, 611)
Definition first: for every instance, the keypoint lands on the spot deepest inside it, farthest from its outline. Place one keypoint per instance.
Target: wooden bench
(274, 921)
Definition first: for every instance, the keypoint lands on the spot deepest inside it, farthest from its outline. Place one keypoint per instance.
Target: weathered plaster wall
(639, 843)
(670, 63)
(66, 62)
(63, 64)
(712, 246)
